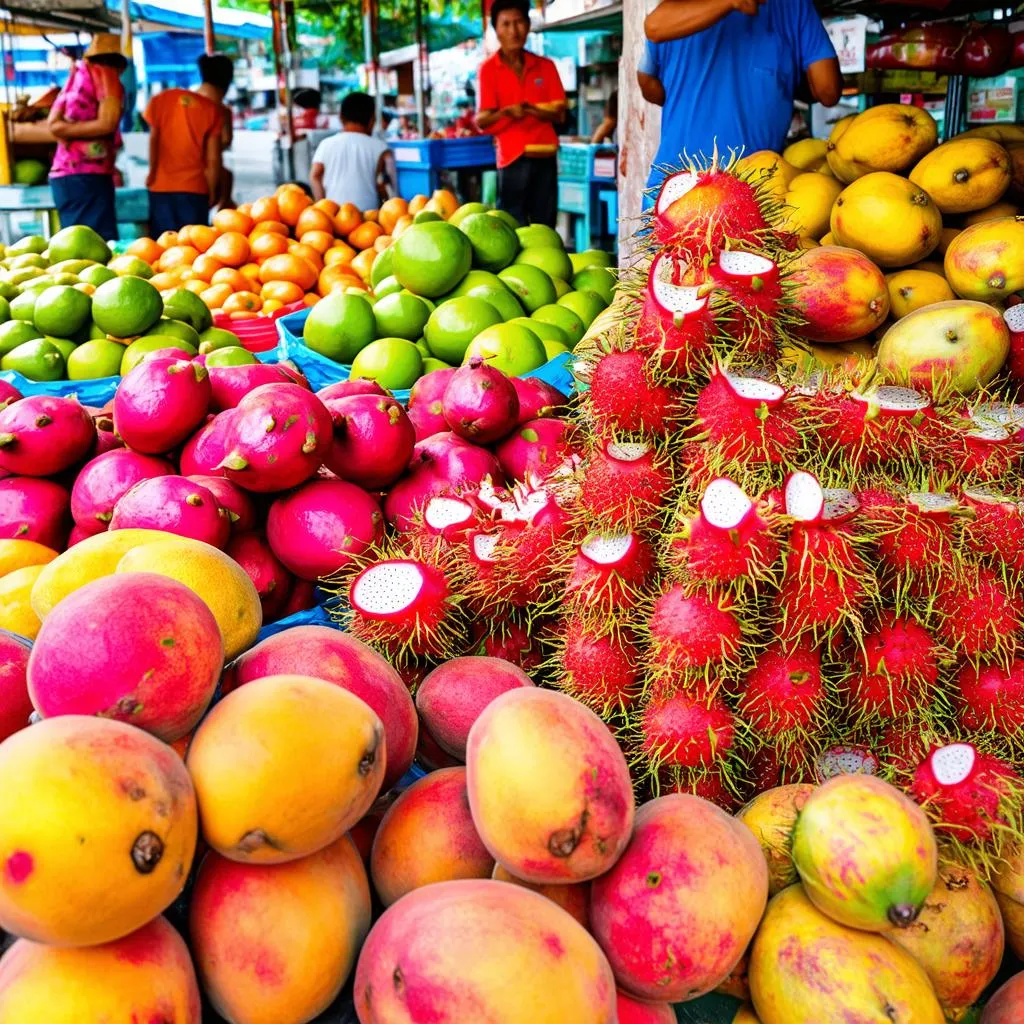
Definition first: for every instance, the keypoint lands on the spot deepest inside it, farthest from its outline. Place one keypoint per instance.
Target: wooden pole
(126, 28)
(280, 11)
(420, 72)
(208, 34)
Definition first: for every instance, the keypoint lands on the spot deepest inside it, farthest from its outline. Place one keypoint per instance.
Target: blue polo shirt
(735, 81)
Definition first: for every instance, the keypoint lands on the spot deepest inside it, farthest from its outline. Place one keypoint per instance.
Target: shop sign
(993, 100)
(849, 37)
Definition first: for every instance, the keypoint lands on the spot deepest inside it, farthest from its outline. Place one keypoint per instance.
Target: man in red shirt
(521, 100)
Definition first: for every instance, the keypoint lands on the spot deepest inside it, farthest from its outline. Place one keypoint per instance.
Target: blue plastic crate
(423, 153)
(574, 161)
(472, 151)
(416, 181)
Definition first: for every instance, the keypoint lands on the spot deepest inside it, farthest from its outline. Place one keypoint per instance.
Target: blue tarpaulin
(178, 19)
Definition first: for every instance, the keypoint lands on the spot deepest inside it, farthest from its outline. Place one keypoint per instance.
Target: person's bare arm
(387, 174)
(554, 116)
(677, 19)
(489, 118)
(316, 181)
(214, 166)
(651, 89)
(825, 81)
(102, 125)
(604, 130)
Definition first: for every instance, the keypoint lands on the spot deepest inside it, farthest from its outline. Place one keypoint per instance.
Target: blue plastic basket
(321, 371)
(95, 392)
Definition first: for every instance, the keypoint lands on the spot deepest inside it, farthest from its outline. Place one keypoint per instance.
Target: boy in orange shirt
(186, 144)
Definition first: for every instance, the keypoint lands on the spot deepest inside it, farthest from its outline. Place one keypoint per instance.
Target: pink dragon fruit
(277, 438)
(272, 580)
(318, 530)
(425, 403)
(34, 509)
(102, 482)
(239, 506)
(538, 448)
(537, 399)
(176, 505)
(348, 388)
(41, 436)
(161, 403)
(373, 440)
(443, 464)
(106, 439)
(480, 404)
(8, 394)
(230, 384)
(204, 451)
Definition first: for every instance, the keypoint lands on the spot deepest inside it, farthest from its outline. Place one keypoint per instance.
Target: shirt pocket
(771, 64)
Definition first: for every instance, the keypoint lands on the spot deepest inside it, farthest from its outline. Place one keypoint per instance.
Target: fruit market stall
(664, 683)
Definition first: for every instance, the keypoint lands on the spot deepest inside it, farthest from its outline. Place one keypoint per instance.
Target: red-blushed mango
(146, 976)
(97, 830)
(283, 766)
(549, 787)
(839, 293)
(15, 706)
(676, 912)
(451, 698)
(771, 816)
(865, 853)
(806, 968)
(338, 658)
(139, 648)
(957, 938)
(478, 950)
(1008, 884)
(574, 898)
(275, 943)
(640, 1011)
(1007, 1005)
(427, 835)
(363, 832)
(985, 262)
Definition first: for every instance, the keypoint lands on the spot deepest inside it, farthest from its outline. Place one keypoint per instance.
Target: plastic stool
(609, 200)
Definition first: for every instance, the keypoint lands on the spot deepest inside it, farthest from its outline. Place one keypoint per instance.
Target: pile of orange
(280, 250)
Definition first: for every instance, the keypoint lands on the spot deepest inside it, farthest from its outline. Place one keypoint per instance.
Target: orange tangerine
(177, 256)
(232, 249)
(291, 202)
(205, 266)
(403, 224)
(265, 209)
(192, 285)
(365, 235)
(234, 279)
(285, 292)
(245, 208)
(307, 252)
(390, 212)
(382, 243)
(244, 315)
(271, 306)
(167, 239)
(347, 218)
(146, 249)
(339, 276)
(319, 240)
(233, 220)
(242, 302)
(340, 252)
(216, 295)
(363, 264)
(312, 299)
(446, 202)
(270, 243)
(164, 280)
(199, 236)
(313, 220)
(329, 206)
(289, 267)
(251, 271)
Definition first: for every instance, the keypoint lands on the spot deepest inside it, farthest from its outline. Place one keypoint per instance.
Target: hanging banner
(849, 37)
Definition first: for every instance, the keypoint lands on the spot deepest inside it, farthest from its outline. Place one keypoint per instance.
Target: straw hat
(105, 43)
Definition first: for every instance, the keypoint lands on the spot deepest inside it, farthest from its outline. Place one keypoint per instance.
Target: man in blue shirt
(726, 72)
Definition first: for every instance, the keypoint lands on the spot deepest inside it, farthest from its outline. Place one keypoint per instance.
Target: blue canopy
(172, 19)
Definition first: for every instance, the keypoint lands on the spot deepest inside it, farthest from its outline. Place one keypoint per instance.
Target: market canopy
(187, 16)
(33, 17)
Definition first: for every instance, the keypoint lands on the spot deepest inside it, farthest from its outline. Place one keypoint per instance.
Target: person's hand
(750, 7)
(517, 111)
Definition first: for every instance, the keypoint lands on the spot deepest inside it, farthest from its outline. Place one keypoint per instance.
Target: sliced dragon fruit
(755, 390)
(674, 187)
(897, 401)
(845, 760)
(725, 505)
(804, 498)
(448, 517)
(932, 502)
(627, 451)
(953, 763)
(840, 504)
(608, 548)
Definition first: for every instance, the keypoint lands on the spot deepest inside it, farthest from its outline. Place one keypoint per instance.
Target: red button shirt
(500, 86)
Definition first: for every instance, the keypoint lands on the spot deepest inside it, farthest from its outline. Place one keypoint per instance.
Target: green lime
(544, 330)
(28, 260)
(430, 364)
(19, 278)
(184, 305)
(590, 258)
(95, 332)
(127, 306)
(62, 310)
(5, 311)
(130, 266)
(388, 286)
(393, 363)
(78, 242)
(494, 243)
(96, 275)
(340, 325)
(65, 346)
(24, 306)
(431, 259)
(382, 267)
(552, 259)
(530, 285)
(401, 315)
(427, 217)
(561, 287)
(467, 210)
(141, 347)
(510, 347)
(423, 347)
(554, 348)
(34, 244)
(71, 266)
(563, 317)
(180, 329)
(504, 215)
(539, 234)
(30, 172)
(501, 299)
(66, 279)
(454, 324)
(474, 279)
(7, 290)
(37, 360)
(94, 359)
(216, 337)
(600, 280)
(586, 305)
(16, 332)
(233, 355)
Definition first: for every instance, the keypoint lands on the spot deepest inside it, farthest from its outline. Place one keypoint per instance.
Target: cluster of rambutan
(755, 577)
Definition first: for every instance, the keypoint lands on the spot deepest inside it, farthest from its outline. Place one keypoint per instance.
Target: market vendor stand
(421, 162)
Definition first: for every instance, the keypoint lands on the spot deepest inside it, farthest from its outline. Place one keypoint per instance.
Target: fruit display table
(587, 191)
(421, 161)
(132, 208)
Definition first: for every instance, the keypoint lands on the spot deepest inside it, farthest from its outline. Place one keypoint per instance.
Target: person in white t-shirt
(354, 166)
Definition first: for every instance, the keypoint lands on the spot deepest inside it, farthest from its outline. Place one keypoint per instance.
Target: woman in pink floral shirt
(84, 120)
